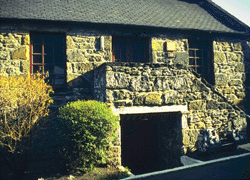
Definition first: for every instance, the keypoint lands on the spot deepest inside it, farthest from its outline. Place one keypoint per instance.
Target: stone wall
(160, 54)
(246, 51)
(228, 60)
(143, 85)
(84, 52)
(14, 52)
(83, 55)
(136, 85)
(229, 69)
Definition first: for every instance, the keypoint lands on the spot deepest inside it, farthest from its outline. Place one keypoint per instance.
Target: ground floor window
(200, 59)
(47, 55)
(130, 49)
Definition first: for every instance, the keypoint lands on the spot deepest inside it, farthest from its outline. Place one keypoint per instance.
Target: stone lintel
(150, 109)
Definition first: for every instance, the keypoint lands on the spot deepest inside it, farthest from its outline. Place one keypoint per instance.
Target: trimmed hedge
(91, 128)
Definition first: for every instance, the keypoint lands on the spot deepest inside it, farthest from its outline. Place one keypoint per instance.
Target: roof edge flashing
(219, 8)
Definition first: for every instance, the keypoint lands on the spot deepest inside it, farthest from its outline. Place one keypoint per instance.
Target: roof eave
(161, 28)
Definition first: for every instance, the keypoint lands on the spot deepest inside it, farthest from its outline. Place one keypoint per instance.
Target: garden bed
(96, 174)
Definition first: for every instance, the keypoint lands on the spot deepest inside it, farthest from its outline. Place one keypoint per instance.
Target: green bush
(91, 128)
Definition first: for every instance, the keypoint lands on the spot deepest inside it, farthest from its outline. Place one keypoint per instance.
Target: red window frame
(48, 51)
(200, 59)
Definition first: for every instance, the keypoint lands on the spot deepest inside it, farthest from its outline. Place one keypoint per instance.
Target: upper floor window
(200, 59)
(47, 55)
(130, 49)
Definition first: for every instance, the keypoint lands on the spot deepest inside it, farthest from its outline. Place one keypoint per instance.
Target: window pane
(142, 46)
(135, 56)
(58, 69)
(37, 48)
(52, 61)
(205, 45)
(202, 62)
(199, 61)
(48, 59)
(37, 58)
(59, 59)
(37, 39)
(59, 79)
(59, 50)
(191, 53)
(37, 68)
(191, 61)
(199, 70)
(138, 46)
(123, 54)
(48, 69)
(117, 54)
(205, 70)
(205, 62)
(116, 45)
(206, 54)
(59, 40)
(49, 80)
(48, 39)
(135, 46)
(191, 44)
(48, 49)
(130, 49)
(123, 45)
(141, 55)
(199, 53)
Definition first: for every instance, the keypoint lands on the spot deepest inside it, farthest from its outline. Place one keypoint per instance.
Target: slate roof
(174, 14)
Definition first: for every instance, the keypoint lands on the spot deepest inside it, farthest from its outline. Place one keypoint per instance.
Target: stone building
(171, 69)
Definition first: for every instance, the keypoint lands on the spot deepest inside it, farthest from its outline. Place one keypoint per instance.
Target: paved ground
(245, 147)
(222, 165)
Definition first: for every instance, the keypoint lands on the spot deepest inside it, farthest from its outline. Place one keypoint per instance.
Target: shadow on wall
(48, 135)
(84, 80)
(246, 51)
(40, 151)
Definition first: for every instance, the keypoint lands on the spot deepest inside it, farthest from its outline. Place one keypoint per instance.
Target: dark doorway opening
(151, 142)
(140, 143)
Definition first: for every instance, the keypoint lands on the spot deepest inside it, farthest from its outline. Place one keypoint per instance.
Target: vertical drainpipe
(102, 43)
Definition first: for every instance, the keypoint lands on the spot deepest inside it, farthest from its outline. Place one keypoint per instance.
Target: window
(130, 49)
(48, 56)
(200, 59)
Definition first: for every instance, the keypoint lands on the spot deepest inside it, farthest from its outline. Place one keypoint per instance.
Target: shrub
(23, 100)
(91, 127)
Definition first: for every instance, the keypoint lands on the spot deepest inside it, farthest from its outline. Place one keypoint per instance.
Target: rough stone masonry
(146, 85)
(163, 81)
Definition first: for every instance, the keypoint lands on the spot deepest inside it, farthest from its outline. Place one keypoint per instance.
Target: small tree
(23, 100)
(91, 128)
